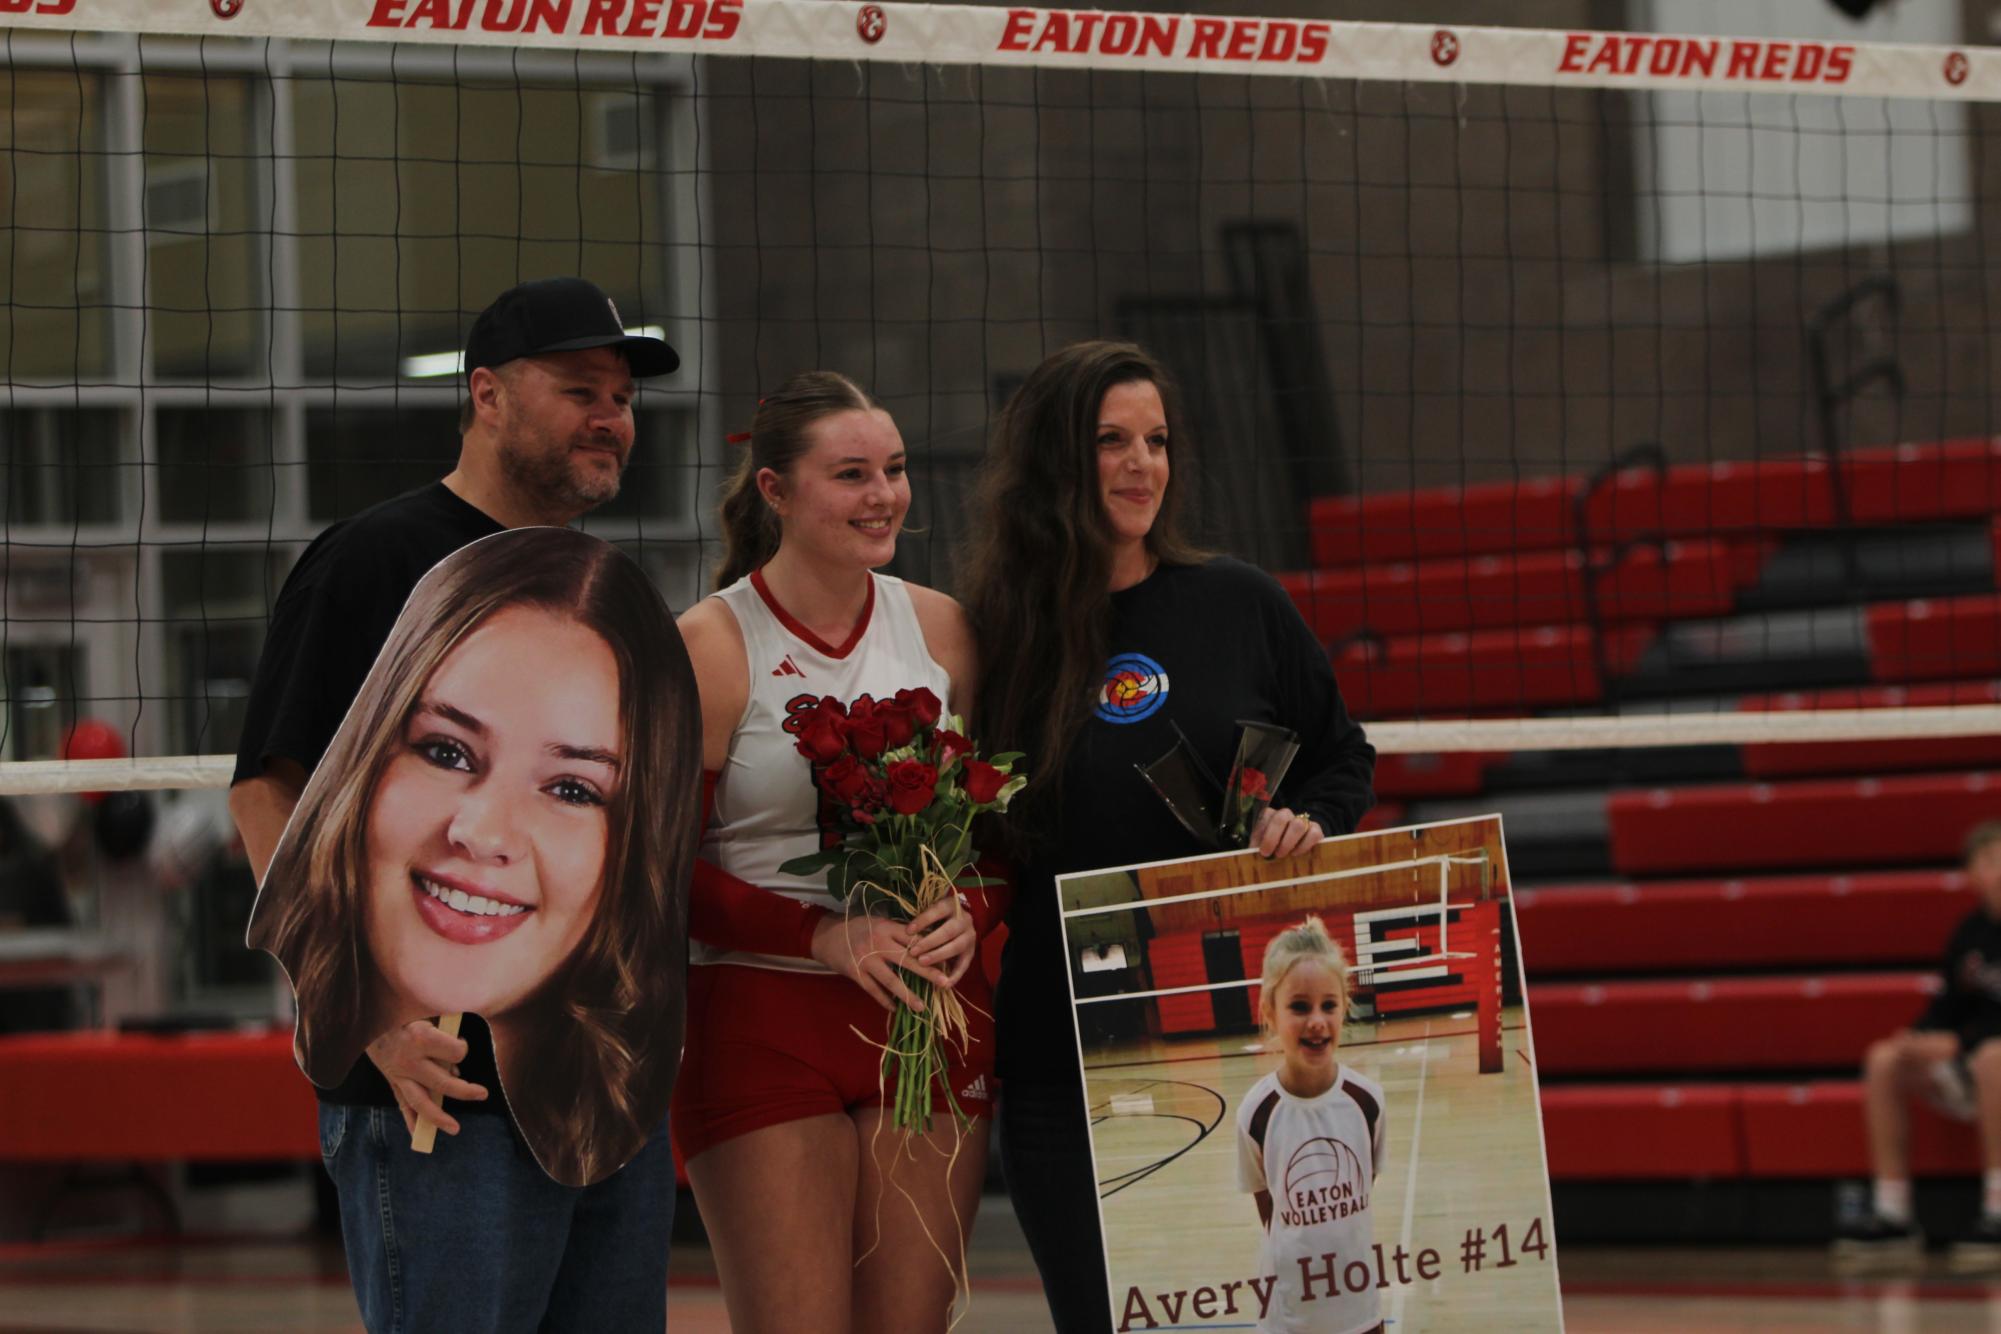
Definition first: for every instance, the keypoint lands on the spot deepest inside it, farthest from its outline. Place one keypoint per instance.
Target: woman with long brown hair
(1102, 629)
(822, 1216)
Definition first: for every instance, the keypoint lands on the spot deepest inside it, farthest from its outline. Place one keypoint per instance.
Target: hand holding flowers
(899, 787)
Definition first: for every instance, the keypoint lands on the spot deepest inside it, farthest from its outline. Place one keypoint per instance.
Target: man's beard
(548, 473)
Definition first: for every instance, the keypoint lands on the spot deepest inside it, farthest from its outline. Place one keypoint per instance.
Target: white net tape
(1375, 973)
(1431, 737)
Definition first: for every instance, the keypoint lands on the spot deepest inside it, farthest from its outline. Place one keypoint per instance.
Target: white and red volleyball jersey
(1319, 1159)
(767, 810)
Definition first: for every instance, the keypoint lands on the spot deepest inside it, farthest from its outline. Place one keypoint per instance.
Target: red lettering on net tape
(902, 32)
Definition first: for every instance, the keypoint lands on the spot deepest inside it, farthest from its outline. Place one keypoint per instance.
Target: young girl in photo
(1310, 1144)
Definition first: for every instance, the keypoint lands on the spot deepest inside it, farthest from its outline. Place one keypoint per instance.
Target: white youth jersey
(767, 809)
(1319, 1159)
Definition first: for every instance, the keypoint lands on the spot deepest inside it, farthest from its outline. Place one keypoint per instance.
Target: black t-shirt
(1223, 642)
(1970, 1005)
(332, 617)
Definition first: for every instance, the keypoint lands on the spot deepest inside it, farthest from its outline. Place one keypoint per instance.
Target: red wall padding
(1177, 962)
(96, 1095)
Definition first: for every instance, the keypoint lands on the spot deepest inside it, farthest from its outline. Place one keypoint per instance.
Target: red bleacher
(1869, 757)
(1720, 1024)
(1779, 921)
(1487, 670)
(1681, 579)
(1816, 1130)
(1682, 1132)
(1624, 1133)
(1482, 589)
(1955, 479)
(1457, 774)
(1927, 639)
(1919, 818)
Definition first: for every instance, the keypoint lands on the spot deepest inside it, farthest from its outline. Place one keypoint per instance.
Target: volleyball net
(1589, 391)
(1175, 950)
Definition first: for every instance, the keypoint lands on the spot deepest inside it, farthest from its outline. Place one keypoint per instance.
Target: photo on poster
(1355, 1146)
(503, 825)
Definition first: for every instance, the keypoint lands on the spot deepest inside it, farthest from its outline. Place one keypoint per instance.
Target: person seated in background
(1950, 1057)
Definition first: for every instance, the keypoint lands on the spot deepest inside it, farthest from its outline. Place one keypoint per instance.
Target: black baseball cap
(559, 315)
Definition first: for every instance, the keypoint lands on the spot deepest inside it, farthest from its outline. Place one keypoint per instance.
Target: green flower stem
(918, 1053)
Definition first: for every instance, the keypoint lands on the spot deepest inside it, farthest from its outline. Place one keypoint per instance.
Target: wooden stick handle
(426, 1133)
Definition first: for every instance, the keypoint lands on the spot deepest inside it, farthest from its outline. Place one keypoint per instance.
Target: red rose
(983, 781)
(897, 724)
(950, 743)
(1255, 785)
(844, 780)
(822, 736)
(868, 734)
(872, 795)
(923, 705)
(911, 784)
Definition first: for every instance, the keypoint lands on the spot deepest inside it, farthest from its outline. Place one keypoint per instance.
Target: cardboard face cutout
(504, 825)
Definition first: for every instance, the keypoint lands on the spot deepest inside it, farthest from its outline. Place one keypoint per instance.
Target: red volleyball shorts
(767, 1046)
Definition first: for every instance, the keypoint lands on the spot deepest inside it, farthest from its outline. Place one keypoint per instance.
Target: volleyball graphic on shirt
(1327, 1177)
(1135, 688)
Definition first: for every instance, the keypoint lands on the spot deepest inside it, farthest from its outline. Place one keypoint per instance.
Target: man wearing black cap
(475, 1236)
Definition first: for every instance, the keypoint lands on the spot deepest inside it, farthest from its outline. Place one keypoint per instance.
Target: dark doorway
(1223, 961)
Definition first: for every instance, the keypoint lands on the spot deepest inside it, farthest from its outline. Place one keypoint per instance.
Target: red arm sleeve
(733, 914)
(989, 903)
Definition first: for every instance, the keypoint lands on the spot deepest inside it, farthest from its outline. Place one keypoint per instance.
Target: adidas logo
(787, 668)
(975, 1091)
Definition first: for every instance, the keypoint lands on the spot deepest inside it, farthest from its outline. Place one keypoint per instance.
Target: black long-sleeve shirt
(1198, 647)
(1970, 1004)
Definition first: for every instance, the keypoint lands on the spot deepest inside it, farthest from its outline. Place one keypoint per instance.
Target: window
(53, 279)
(357, 457)
(215, 599)
(214, 464)
(43, 681)
(1728, 176)
(203, 271)
(419, 202)
(61, 466)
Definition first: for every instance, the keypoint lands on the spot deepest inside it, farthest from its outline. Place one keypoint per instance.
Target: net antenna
(1374, 974)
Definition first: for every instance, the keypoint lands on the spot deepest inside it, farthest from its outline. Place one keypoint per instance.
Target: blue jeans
(476, 1237)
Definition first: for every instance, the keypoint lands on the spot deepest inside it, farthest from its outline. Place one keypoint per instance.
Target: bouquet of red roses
(900, 784)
